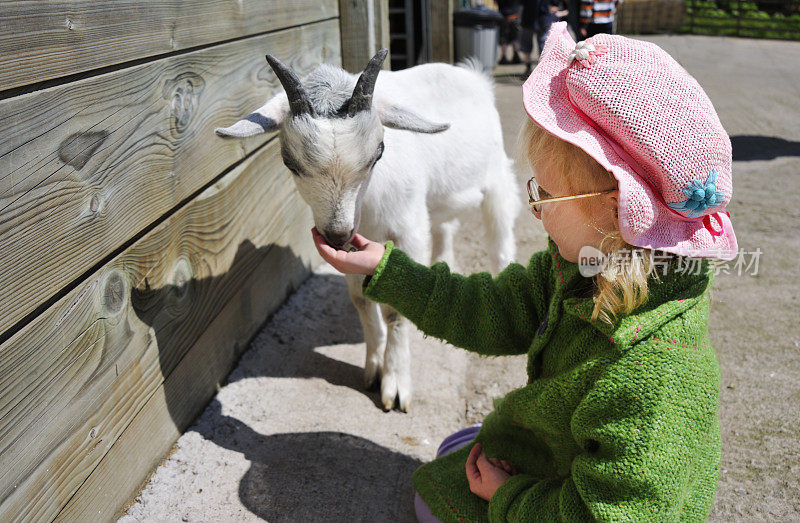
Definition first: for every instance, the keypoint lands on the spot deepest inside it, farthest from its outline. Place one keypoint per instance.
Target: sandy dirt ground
(294, 437)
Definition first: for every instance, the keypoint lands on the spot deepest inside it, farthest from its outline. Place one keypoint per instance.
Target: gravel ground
(292, 436)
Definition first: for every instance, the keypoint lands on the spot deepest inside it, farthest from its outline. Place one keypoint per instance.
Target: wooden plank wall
(140, 253)
(44, 39)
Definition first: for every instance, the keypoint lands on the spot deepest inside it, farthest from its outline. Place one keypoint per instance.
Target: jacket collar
(674, 288)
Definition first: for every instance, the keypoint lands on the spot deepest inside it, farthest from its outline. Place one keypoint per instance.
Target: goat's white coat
(414, 194)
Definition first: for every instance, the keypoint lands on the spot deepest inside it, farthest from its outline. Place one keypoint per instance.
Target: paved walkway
(293, 437)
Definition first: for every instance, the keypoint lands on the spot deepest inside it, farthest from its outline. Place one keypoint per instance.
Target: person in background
(509, 31)
(536, 18)
(595, 17)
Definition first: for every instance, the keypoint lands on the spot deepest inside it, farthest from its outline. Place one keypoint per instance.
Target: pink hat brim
(547, 103)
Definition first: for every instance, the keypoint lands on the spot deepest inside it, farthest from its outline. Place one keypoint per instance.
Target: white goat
(332, 136)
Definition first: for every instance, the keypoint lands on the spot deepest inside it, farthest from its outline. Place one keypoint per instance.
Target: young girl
(618, 420)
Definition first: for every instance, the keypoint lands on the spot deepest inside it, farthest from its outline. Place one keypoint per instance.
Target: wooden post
(441, 31)
(364, 26)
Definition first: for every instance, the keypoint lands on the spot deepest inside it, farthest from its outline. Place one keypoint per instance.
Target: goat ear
(405, 119)
(265, 119)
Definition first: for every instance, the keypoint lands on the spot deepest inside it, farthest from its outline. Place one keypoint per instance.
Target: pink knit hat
(638, 113)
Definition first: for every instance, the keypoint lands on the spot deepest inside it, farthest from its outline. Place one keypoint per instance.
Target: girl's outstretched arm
(493, 316)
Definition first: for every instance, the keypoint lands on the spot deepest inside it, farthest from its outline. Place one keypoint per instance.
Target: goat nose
(338, 239)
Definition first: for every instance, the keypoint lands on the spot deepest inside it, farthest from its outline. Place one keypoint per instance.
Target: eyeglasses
(536, 202)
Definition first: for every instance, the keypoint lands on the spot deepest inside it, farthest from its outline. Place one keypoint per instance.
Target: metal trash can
(476, 31)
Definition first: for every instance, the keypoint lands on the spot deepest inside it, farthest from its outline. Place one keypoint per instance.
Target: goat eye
(291, 168)
(380, 151)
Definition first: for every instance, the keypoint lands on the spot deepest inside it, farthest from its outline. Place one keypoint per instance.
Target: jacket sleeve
(491, 316)
(648, 435)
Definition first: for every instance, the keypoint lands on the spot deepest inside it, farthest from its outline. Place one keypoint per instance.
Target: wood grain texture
(41, 40)
(354, 22)
(75, 378)
(442, 31)
(87, 166)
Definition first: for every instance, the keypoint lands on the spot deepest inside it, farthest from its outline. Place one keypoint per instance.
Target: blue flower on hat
(700, 197)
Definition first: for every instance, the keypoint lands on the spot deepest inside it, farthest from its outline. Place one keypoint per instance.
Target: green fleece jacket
(617, 422)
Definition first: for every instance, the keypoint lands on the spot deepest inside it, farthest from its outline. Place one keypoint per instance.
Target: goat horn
(298, 99)
(362, 94)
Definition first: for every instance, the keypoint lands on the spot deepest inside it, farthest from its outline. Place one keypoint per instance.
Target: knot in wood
(114, 293)
(182, 277)
(184, 91)
(76, 149)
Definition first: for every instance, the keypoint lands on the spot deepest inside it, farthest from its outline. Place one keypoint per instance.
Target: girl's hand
(362, 261)
(484, 475)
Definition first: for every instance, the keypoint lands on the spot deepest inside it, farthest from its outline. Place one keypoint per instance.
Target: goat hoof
(404, 395)
(388, 391)
(405, 404)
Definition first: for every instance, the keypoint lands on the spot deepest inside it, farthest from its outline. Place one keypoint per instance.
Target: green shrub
(721, 18)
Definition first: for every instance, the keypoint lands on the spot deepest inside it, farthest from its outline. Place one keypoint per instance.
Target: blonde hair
(625, 289)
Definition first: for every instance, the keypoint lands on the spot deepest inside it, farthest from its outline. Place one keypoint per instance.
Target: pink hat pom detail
(586, 53)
